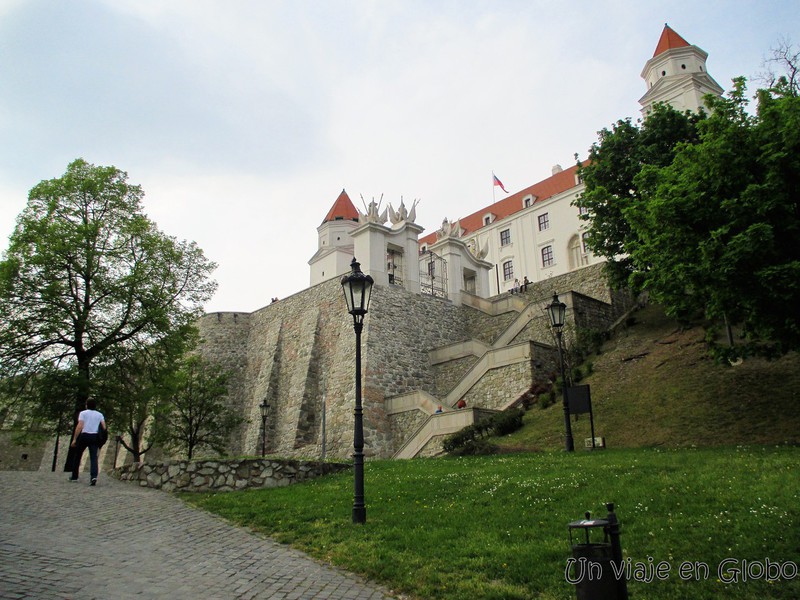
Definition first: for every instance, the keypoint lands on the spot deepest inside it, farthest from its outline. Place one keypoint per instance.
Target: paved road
(62, 540)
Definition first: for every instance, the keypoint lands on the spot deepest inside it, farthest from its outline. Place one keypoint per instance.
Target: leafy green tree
(611, 188)
(88, 278)
(137, 386)
(716, 234)
(702, 212)
(195, 414)
(34, 408)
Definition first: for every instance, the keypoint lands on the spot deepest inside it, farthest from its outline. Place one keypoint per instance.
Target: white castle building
(535, 233)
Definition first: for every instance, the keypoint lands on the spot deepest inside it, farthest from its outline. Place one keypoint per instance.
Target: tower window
(663, 73)
(683, 67)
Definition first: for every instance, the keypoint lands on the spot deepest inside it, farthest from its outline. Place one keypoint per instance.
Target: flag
(498, 182)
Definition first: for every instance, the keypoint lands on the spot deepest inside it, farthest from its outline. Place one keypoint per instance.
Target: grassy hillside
(653, 384)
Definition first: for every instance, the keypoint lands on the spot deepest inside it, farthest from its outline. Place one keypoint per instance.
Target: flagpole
(493, 186)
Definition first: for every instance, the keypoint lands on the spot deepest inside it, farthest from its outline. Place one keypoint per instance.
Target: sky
(243, 120)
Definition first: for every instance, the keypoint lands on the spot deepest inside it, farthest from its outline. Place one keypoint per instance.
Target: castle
(442, 326)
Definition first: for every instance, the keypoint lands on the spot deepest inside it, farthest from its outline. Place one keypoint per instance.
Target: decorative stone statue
(478, 252)
(449, 229)
(402, 215)
(373, 214)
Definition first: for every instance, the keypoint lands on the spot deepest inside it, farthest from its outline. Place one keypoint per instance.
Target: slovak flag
(500, 183)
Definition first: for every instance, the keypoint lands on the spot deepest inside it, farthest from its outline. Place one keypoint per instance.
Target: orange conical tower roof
(342, 209)
(669, 40)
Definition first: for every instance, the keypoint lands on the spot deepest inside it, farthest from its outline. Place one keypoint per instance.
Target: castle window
(527, 202)
(583, 242)
(508, 270)
(663, 73)
(487, 220)
(683, 67)
(505, 237)
(544, 221)
(547, 256)
(582, 210)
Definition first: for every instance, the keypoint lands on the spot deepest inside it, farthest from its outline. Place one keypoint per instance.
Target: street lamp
(557, 311)
(264, 407)
(357, 289)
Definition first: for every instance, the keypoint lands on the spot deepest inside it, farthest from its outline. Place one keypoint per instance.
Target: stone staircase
(504, 353)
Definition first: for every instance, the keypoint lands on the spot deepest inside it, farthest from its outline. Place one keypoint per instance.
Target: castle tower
(335, 250)
(677, 75)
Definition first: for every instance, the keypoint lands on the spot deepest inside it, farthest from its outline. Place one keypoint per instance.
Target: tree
(610, 175)
(137, 387)
(786, 58)
(705, 224)
(195, 414)
(716, 234)
(87, 278)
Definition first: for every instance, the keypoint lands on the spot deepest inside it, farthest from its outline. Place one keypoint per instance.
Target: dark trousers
(86, 440)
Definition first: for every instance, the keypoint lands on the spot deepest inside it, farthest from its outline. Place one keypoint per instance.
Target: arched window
(577, 253)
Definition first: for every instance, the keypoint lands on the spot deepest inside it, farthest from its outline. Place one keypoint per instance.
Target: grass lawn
(496, 526)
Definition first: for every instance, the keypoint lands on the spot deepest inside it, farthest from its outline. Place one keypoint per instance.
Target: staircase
(503, 352)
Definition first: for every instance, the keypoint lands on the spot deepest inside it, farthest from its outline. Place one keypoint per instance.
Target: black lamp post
(357, 289)
(264, 407)
(557, 311)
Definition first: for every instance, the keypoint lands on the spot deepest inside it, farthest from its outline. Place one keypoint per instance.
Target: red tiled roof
(560, 182)
(342, 209)
(669, 40)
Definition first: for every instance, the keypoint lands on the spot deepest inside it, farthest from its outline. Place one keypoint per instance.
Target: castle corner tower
(335, 250)
(676, 75)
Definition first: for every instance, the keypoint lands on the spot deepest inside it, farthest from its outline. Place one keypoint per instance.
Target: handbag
(102, 437)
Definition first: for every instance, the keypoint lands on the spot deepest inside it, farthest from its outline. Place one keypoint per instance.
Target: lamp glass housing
(357, 289)
(557, 311)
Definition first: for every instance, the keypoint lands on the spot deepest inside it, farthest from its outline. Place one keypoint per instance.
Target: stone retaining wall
(223, 475)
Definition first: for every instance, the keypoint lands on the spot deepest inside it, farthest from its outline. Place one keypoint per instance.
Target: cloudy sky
(243, 119)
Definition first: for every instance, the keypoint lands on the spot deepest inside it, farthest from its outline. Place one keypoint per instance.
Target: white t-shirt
(91, 420)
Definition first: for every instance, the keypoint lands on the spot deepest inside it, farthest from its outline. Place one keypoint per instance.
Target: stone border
(220, 475)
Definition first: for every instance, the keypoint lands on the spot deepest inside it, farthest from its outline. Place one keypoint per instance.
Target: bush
(507, 422)
(475, 448)
(548, 400)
